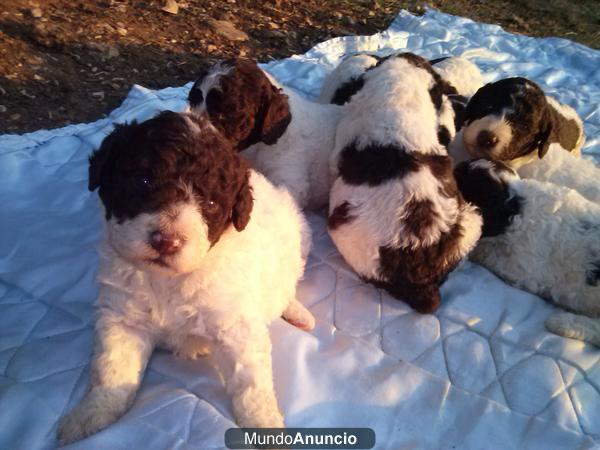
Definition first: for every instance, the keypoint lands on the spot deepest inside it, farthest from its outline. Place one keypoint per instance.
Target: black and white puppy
(395, 213)
(540, 237)
(200, 252)
(513, 121)
(287, 137)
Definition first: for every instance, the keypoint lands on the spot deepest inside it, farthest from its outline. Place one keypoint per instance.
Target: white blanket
(480, 373)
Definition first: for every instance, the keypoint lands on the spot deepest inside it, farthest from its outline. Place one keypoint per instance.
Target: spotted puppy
(513, 121)
(199, 252)
(462, 76)
(540, 237)
(287, 137)
(395, 213)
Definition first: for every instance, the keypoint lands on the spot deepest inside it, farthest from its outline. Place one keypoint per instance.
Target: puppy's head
(241, 103)
(485, 184)
(508, 120)
(170, 187)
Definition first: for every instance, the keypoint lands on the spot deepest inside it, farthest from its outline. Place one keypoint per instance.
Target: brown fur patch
(244, 106)
(339, 216)
(145, 167)
(414, 275)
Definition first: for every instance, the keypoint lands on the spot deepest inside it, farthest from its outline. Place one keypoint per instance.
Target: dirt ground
(69, 61)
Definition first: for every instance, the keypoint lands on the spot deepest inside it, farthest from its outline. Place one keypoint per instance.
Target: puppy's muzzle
(165, 243)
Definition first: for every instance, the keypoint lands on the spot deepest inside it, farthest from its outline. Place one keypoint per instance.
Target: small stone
(99, 95)
(273, 26)
(228, 30)
(274, 34)
(2, 109)
(24, 93)
(112, 52)
(36, 13)
(211, 48)
(15, 116)
(122, 31)
(171, 7)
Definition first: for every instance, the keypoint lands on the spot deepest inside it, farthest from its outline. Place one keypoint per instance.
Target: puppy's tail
(575, 326)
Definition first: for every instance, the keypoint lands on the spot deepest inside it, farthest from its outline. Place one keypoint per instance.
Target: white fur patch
(351, 67)
(460, 73)
(495, 124)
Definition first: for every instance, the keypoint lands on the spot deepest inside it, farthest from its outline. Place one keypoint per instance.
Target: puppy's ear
(543, 137)
(195, 96)
(277, 116)
(99, 158)
(242, 208)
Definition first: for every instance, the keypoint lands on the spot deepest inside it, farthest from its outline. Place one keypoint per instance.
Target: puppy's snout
(486, 139)
(164, 243)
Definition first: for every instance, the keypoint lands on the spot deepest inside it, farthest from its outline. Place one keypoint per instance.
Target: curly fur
(395, 213)
(566, 169)
(513, 121)
(242, 246)
(294, 150)
(345, 80)
(550, 244)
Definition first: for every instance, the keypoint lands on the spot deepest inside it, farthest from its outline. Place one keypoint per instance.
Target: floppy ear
(99, 158)
(242, 208)
(195, 96)
(543, 137)
(277, 116)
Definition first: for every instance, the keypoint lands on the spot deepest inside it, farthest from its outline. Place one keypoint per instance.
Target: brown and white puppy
(395, 213)
(287, 137)
(512, 120)
(462, 79)
(200, 252)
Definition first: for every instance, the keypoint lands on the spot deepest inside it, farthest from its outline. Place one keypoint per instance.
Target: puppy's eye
(141, 181)
(211, 205)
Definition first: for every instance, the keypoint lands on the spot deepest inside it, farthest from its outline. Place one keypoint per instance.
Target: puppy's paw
(98, 410)
(297, 314)
(563, 324)
(257, 408)
(192, 347)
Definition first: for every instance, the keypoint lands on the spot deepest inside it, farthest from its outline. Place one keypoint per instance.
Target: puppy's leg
(299, 316)
(120, 357)
(575, 326)
(251, 384)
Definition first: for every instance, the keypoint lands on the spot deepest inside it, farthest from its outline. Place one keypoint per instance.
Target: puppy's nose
(164, 243)
(486, 139)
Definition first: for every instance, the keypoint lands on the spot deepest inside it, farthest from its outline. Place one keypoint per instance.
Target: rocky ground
(69, 61)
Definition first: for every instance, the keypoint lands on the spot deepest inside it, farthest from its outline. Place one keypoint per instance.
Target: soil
(70, 61)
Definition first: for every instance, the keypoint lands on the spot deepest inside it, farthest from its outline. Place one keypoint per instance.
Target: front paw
(257, 409)
(97, 411)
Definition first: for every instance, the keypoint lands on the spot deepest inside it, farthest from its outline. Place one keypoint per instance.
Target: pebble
(2, 109)
(171, 7)
(228, 30)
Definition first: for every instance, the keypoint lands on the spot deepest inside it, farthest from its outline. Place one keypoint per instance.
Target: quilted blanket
(480, 373)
